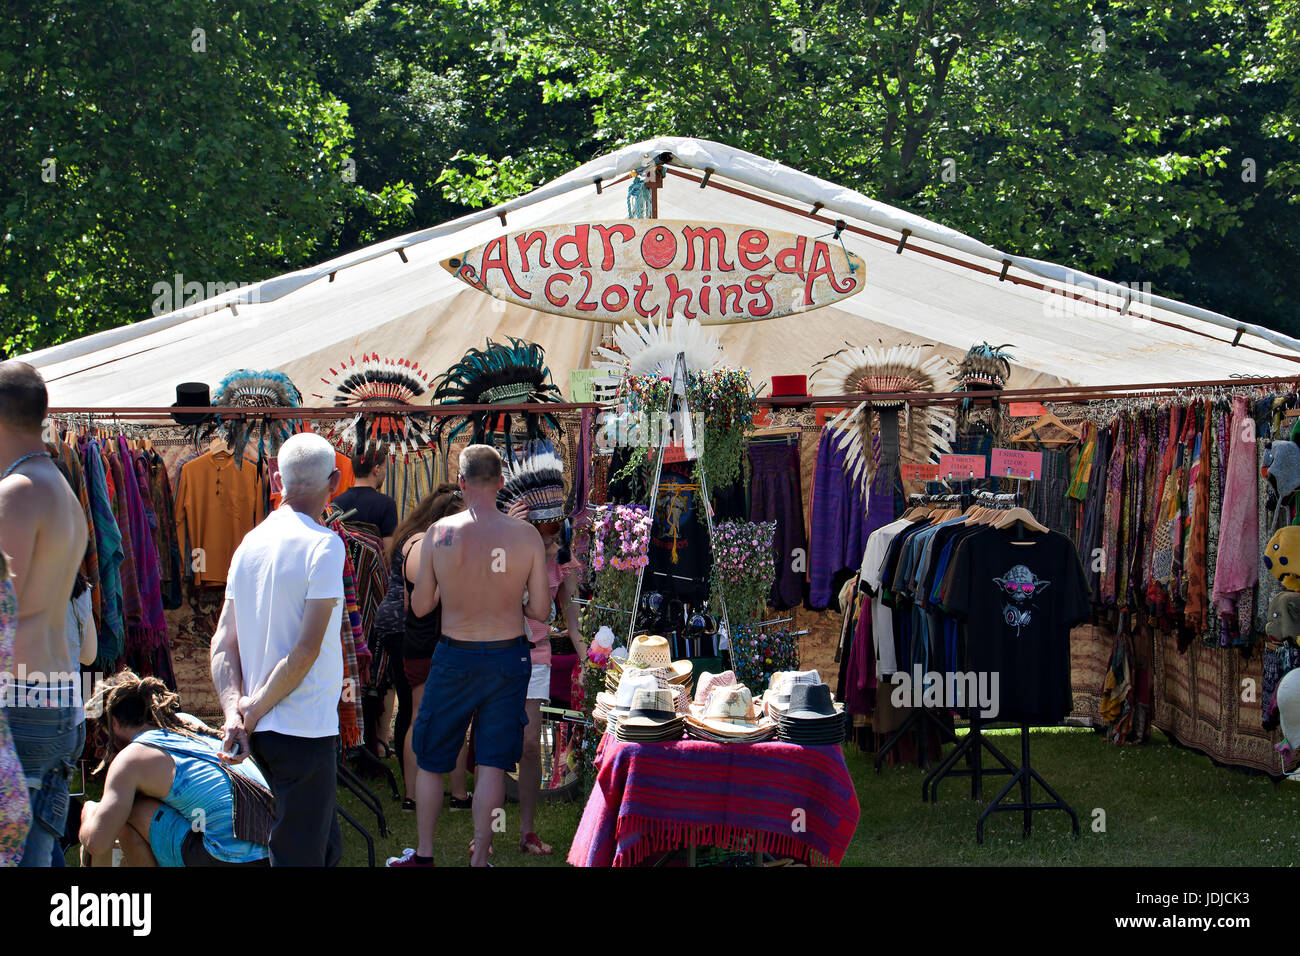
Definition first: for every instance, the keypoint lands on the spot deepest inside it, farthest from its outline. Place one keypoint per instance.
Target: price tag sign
(1026, 410)
(679, 451)
(914, 472)
(961, 467)
(1008, 463)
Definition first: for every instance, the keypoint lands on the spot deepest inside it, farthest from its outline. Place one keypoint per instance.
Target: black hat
(811, 702)
(191, 395)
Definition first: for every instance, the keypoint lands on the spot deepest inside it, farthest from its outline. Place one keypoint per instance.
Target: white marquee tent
(943, 288)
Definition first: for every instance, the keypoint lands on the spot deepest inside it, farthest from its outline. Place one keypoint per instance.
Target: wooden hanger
(1034, 432)
(218, 446)
(1022, 516)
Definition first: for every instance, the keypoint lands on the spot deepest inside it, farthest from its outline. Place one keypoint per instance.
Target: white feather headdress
(902, 368)
(652, 349)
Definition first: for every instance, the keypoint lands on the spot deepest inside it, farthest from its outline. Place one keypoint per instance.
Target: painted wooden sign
(618, 271)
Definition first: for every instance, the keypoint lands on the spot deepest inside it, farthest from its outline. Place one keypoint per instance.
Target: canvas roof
(302, 323)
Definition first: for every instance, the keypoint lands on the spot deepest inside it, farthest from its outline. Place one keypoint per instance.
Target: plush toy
(1281, 469)
(1288, 710)
(1282, 557)
(1283, 620)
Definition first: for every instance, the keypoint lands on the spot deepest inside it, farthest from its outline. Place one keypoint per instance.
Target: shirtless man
(480, 564)
(43, 531)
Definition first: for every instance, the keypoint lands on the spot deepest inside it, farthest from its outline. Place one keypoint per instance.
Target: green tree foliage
(150, 138)
(1146, 143)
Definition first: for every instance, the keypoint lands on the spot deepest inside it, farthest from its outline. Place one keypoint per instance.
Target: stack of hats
(776, 698)
(729, 716)
(610, 707)
(708, 683)
(813, 718)
(651, 718)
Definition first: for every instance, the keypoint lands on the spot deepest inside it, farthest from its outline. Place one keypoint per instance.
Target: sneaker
(405, 860)
(463, 803)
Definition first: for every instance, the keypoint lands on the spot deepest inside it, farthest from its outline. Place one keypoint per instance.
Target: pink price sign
(1008, 463)
(914, 472)
(961, 467)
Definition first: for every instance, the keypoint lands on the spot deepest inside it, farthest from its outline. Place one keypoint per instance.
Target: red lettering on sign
(641, 288)
(821, 266)
(704, 295)
(622, 299)
(757, 285)
(708, 238)
(623, 230)
(675, 293)
(557, 302)
(497, 256)
(729, 290)
(582, 302)
(751, 243)
(524, 242)
(790, 261)
(579, 242)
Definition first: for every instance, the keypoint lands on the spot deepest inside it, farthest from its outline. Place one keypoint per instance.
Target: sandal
(532, 843)
(492, 851)
(408, 805)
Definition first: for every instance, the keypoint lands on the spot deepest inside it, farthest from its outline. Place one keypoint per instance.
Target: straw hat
(708, 683)
(651, 650)
(730, 712)
(652, 718)
(777, 696)
(618, 704)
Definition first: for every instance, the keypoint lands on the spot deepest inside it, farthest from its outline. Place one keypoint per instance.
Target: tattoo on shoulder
(443, 537)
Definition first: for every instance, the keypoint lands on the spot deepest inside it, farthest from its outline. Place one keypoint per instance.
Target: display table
(773, 797)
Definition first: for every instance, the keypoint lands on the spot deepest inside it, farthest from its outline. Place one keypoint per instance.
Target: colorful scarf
(110, 556)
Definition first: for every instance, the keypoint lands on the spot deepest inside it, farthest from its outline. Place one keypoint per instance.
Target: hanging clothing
(1237, 563)
(837, 536)
(774, 495)
(110, 556)
(217, 503)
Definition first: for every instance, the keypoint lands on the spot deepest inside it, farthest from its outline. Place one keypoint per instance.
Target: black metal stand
(917, 720)
(365, 756)
(365, 834)
(972, 748)
(363, 793)
(1025, 776)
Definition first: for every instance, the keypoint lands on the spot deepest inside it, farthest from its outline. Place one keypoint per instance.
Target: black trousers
(303, 774)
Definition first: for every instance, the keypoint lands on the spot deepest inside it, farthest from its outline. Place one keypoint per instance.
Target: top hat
(191, 395)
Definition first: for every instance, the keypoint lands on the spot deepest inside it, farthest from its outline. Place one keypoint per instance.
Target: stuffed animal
(1282, 557)
(1281, 469)
(1288, 709)
(1283, 621)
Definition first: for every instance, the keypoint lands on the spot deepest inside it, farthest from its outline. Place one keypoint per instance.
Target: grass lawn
(1164, 806)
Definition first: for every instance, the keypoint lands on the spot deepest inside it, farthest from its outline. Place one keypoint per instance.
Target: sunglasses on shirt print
(1013, 588)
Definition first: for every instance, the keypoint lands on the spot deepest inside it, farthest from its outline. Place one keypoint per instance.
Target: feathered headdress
(376, 381)
(902, 368)
(252, 389)
(985, 368)
(499, 374)
(537, 480)
(652, 349)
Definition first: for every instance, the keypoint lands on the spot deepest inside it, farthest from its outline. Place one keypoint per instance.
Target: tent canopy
(943, 288)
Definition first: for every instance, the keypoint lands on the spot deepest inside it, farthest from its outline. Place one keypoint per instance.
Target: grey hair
(306, 462)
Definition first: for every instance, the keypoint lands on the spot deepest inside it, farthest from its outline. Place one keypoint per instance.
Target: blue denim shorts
(488, 686)
(48, 740)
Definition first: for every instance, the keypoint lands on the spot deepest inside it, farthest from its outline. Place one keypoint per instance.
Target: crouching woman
(169, 799)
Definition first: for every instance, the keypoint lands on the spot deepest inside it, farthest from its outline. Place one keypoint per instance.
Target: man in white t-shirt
(277, 660)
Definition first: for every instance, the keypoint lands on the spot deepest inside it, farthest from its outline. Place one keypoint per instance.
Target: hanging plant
(743, 568)
(721, 399)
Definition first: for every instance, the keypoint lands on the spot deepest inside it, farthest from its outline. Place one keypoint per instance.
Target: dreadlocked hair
(132, 700)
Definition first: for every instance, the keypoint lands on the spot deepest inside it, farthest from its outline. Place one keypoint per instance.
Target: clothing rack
(1025, 776)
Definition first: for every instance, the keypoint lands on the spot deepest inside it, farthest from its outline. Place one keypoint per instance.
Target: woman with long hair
(419, 635)
(169, 799)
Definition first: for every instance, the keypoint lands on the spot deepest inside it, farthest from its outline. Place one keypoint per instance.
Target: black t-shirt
(1019, 601)
(373, 507)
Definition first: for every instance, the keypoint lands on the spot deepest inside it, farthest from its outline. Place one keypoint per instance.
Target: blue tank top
(200, 792)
